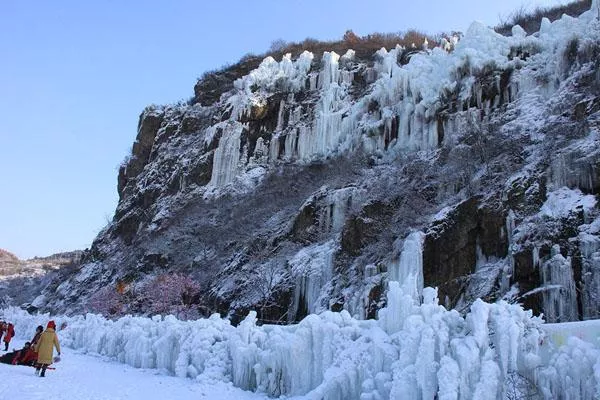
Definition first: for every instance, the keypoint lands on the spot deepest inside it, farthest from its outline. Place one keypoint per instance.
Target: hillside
(21, 281)
(310, 181)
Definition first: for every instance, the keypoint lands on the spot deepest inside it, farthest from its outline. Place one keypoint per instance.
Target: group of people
(37, 353)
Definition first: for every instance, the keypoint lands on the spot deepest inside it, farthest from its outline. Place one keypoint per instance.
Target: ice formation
(313, 269)
(589, 246)
(415, 350)
(409, 97)
(559, 296)
(227, 156)
(408, 270)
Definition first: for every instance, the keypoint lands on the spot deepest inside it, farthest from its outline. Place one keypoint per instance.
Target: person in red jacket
(10, 332)
(26, 356)
(14, 356)
(2, 328)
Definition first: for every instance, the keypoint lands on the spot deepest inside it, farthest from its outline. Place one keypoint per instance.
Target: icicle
(337, 204)
(330, 72)
(409, 269)
(559, 295)
(589, 246)
(432, 129)
(261, 152)
(312, 81)
(313, 268)
(227, 156)
(535, 257)
(510, 266)
(559, 171)
(274, 148)
(404, 133)
(280, 116)
(291, 140)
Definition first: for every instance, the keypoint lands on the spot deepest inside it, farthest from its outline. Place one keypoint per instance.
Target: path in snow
(85, 377)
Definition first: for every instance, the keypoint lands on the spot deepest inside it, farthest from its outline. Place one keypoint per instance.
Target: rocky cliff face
(310, 182)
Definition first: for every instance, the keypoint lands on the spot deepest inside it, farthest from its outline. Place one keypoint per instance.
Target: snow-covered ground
(87, 377)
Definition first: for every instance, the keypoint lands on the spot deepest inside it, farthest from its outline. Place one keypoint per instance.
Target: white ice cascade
(399, 109)
(338, 204)
(329, 129)
(559, 294)
(589, 246)
(227, 156)
(408, 270)
(313, 269)
(399, 94)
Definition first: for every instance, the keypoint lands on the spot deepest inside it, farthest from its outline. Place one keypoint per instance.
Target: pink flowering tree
(108, 301)
(175, 294)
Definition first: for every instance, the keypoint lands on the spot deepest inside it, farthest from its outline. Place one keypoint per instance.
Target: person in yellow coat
(45, 348)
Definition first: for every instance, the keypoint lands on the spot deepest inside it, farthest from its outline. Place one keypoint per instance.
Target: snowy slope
(87, 377)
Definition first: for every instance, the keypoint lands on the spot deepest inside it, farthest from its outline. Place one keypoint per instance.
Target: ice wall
(325, 112)
(415, 351)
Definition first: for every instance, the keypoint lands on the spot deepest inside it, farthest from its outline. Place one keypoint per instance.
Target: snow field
(84, 377)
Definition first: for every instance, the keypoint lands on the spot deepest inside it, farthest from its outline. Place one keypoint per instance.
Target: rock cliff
(308, 182)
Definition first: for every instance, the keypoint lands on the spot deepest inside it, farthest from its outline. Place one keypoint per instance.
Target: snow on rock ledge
(428, 352)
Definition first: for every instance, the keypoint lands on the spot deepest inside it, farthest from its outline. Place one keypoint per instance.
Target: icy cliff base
(413, 351)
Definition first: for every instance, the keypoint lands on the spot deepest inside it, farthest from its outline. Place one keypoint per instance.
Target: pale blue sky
(74, 76)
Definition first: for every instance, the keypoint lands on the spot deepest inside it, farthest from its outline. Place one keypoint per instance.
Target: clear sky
(74, 76)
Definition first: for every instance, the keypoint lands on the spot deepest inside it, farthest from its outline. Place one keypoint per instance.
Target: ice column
(337, 204)
(408, 271)
(559, 296)
(313, 268)
(509, 268)
(227, 156)
(589, 246)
